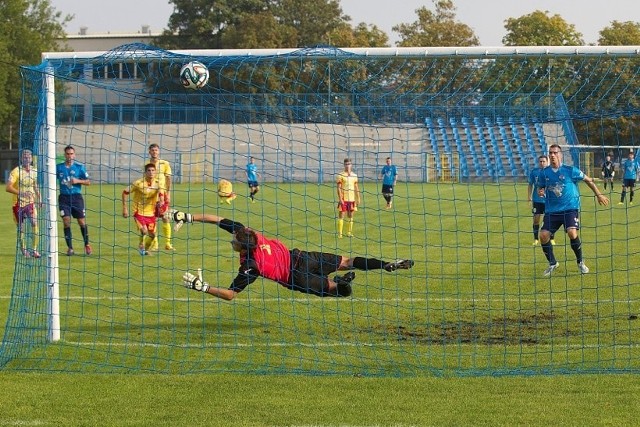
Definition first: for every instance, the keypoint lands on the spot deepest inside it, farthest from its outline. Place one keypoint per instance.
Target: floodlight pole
(53, 274)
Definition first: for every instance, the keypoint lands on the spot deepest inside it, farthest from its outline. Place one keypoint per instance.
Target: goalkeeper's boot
(400, 264)
(35, 253)
(344, 284)
(25, 253)
(536, 242)
(191, 281)
(553, 242)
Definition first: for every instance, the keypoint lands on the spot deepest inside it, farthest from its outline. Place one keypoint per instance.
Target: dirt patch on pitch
(518, 329)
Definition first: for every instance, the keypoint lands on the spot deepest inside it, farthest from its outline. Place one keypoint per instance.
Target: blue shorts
(71, 205)
(568, 219)
(629, 183)
(538, 208)
(253, 183)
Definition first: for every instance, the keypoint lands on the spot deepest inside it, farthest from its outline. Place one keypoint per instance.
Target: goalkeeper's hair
(247, 238)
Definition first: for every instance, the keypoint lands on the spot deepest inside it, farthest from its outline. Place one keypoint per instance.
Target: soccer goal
(464, 128)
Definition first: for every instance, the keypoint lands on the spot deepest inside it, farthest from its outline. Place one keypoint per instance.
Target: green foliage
(28, 28)
(540, 29)
(438, 28)
(620, 34)
(246, 24)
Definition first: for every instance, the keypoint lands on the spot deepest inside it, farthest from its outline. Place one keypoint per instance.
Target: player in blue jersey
(629, 177)
(71, 177)
(389, 175)
(559, 184)
(537, 201)
(252, 178)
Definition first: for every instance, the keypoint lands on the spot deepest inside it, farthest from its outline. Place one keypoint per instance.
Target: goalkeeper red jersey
(272, 258)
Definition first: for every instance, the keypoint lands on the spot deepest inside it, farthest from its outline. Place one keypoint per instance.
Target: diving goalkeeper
(302, 271)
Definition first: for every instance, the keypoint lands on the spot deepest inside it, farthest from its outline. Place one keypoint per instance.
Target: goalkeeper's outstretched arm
(192, 281)
(180, 218)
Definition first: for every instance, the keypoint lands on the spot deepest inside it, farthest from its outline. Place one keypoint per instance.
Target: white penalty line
(430, 343)
(328, 300)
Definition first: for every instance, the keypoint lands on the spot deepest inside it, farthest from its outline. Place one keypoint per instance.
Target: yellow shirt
(26, 182)
(145, 195)
(348, 183)
(163, 171)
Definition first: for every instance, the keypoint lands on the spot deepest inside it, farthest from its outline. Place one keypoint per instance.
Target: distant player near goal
(348, 197)
(608, 172)
(164, 175)
(148, 205)
(23, 184)
(389, 175)
(302, 271)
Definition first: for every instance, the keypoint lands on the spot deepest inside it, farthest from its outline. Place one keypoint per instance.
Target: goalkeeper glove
(194, 282)
(179, 218)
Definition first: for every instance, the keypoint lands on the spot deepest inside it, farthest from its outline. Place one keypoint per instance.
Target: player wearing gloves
(302, 271)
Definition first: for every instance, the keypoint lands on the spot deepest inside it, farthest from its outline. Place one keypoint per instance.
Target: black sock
(576, 245)
(536, 229)
(548, 252)
(85, 234)
(361, 263)
(67, 237)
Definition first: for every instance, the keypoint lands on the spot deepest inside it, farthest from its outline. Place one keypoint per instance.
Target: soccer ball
(194, 75)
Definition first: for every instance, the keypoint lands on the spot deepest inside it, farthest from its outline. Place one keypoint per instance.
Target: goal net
(464, 128)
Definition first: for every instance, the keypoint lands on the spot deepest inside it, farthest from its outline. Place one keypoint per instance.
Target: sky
(485, 17)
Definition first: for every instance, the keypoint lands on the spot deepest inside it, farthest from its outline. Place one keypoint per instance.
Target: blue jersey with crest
(630, 168)
(561, 188)
(534, 178)
(388, 173)
(252, 172)
(64, 174)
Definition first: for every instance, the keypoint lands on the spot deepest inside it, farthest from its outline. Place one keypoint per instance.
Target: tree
(28, 28)
(439, 28)
(540, 29)
(620, 34)
(436, 28)
(242, 24)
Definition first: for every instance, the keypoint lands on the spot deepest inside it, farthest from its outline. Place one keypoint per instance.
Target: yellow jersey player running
(348, 197)
(148, 205)
(23, 184)
(163, 172)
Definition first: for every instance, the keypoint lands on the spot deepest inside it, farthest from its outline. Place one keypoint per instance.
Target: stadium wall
(294, 152)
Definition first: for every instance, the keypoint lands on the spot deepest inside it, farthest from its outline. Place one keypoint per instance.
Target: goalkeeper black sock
(361, 263)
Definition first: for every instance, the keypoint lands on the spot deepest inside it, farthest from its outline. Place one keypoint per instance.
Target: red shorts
(20, 213)
(148, 222)
(346, 207)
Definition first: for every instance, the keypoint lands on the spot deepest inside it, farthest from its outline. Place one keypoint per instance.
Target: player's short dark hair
(246, 237)
(347, 160)
(149, 165)
(154, 145)
(69, 147)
